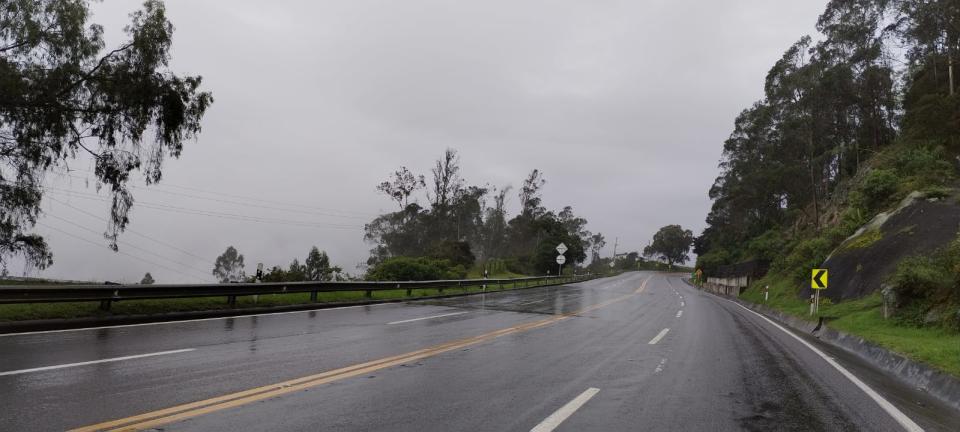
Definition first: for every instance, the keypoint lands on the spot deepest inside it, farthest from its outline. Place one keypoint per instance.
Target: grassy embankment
(922, 283)
(863, 317)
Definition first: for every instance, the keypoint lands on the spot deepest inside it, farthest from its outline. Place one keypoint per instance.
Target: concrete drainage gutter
(940, 385)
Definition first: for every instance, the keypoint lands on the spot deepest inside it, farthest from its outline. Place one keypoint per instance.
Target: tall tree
(495, 226)
(932, 30)
(597, 242)
(530, 194)
(61, 95)
(229, 266)
(296, 272)
(446, 180)
(147, 279)
(401, 185)
(671, 244)
(317, 266)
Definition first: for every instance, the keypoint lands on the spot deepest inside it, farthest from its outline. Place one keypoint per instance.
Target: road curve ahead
(641, 351)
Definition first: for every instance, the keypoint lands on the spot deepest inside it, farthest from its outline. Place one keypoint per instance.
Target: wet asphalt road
(717, 367)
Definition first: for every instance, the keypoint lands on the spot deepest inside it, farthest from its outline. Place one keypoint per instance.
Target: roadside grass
(864, 240)
(37, 311)
(477, 273)
(863, 317)
(783, 297)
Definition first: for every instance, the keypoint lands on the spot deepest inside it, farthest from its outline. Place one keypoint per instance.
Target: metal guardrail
(106, 294)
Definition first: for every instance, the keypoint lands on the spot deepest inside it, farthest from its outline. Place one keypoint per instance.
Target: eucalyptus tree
(229, 266)
(63, 93)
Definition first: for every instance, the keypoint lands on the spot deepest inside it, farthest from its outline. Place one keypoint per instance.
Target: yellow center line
(165, 416)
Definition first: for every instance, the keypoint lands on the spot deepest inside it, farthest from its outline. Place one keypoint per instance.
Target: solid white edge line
(658, 337)
(551, 422)
(426, 318)
(189, 320)
(107, 360)
(897, 415)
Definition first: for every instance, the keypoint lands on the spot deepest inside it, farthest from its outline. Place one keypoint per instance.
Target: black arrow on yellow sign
(818, 279)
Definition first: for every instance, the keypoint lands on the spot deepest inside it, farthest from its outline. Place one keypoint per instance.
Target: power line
(249, 198)
(240, 203)
(209, 213)
(128, 229)
(119, 252)
(186, 266)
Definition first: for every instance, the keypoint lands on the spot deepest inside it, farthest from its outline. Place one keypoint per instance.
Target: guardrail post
(313, 296)
(409, 290)
(368, 294)
(232, 301)
(105, 305)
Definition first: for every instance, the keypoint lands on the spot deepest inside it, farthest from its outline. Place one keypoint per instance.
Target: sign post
(561, 249)
(818, 281)
(258, 279)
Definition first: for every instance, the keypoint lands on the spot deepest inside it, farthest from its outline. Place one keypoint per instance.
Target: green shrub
(496, 266)
(457, 252)
(931, 116)
(925, 166)
(920, 278)
(514, 265)
(929, 283)
(855, 200)
(936, 192)
(415, 269)
(865, 239)
(856, 214)
(767, 246)
(709, 261)
(808, 254)
(879, 187)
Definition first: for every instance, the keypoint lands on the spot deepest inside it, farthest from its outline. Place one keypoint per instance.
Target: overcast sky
(624, 105)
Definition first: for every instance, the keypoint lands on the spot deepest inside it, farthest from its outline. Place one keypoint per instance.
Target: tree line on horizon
(230, 267)
(445, 223)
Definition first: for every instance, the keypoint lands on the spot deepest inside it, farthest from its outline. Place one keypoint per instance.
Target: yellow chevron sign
(818, 279)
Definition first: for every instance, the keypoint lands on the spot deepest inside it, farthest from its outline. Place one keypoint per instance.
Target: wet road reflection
(548, 300)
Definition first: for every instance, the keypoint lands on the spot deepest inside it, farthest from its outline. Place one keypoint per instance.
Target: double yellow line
(165, 416)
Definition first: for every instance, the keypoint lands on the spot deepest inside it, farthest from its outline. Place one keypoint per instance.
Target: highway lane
(715, 366)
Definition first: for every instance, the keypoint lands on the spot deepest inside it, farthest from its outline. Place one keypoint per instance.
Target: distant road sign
(818, 279)
(561, 259)
(561, 248)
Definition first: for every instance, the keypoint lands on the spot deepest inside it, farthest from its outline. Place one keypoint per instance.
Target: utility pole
(616, 240)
